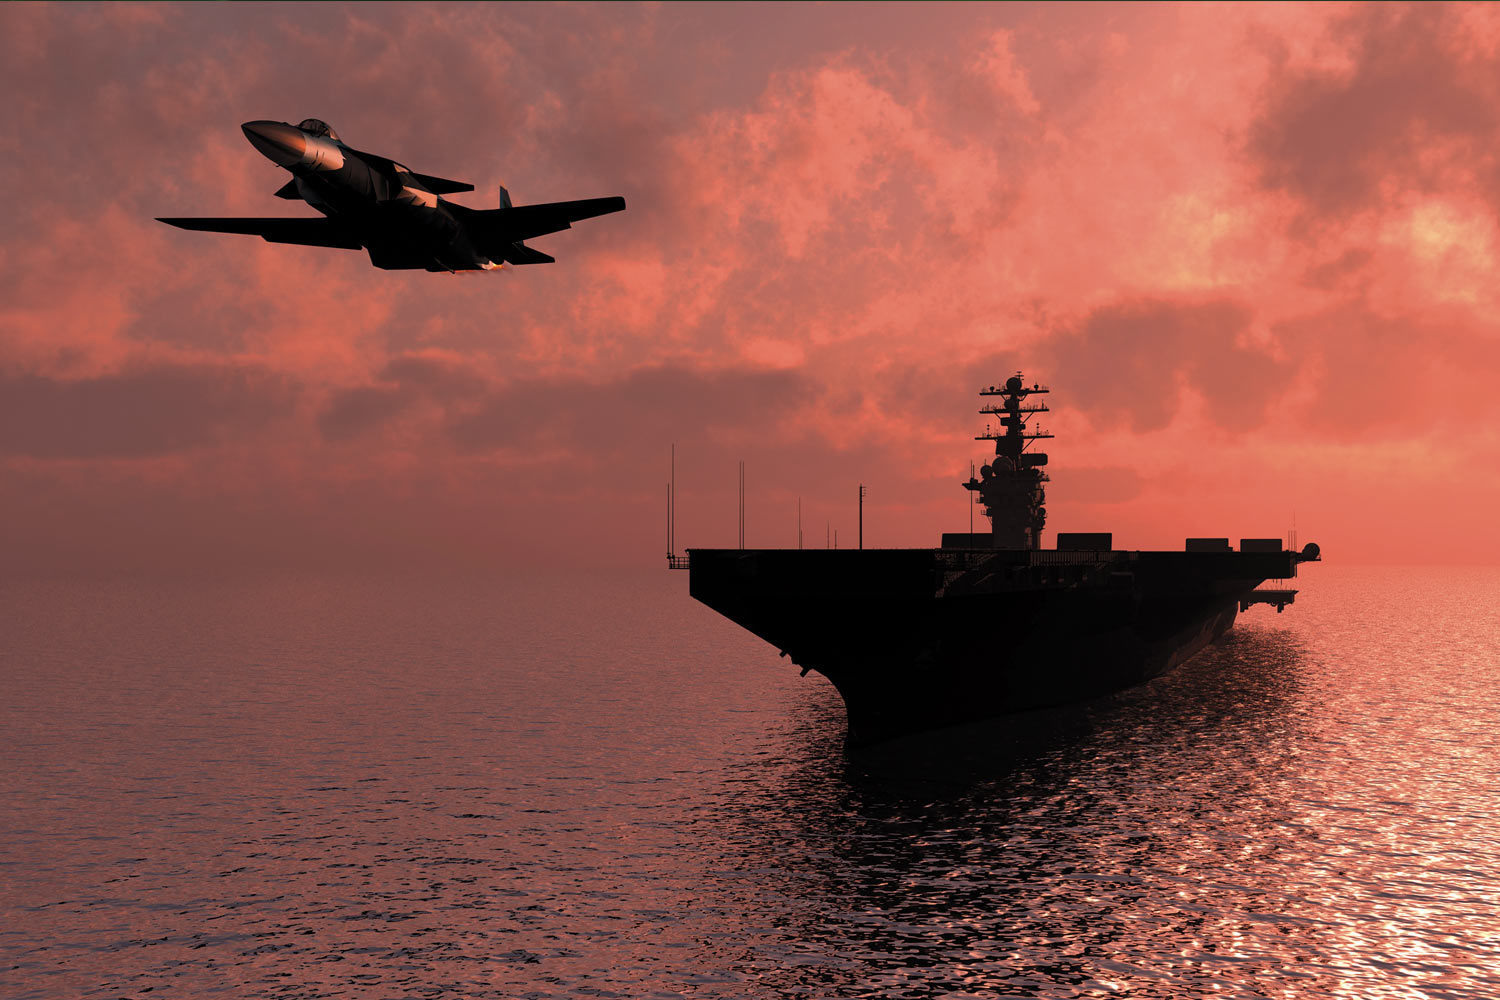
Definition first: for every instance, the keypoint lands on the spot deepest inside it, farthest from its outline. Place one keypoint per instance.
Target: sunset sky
(1253, 250)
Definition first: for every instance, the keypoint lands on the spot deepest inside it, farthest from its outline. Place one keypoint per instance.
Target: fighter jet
(398, 215)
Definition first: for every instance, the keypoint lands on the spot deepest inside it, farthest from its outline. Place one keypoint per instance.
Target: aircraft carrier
(990, 623)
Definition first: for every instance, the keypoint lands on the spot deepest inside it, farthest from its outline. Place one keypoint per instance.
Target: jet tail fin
(504, 197)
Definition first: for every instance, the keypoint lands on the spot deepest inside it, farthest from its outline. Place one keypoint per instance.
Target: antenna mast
(861, 515)
(674, 561)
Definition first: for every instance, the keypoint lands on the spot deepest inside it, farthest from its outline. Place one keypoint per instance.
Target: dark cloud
(404, 381)
(1346, 266)
(1125, 362)
(351, 412)
(148, 411)
(657, 404)
(1413, 111)
(434, 374)
(572, 414)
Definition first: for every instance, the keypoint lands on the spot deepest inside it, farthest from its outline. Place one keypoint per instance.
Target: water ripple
(594, 788)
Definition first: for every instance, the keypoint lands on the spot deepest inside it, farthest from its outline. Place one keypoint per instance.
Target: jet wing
(520, 253)
(306, 232)
(434, 184)
(512, 225)
(440, 185)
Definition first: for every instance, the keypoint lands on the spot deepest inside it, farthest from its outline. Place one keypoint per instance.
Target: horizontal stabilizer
(512, 225)
(305, 232)
(520, 253)
(439, 185)
(289, 191)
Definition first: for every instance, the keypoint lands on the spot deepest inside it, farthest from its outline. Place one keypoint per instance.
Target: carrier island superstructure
(990, 623)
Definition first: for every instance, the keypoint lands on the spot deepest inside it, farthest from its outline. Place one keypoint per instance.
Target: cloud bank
(1252, 249)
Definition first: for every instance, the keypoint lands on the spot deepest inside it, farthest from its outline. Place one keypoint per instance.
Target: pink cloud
(1229, 237)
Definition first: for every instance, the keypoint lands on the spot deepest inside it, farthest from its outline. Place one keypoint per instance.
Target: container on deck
(968, 540)
(1082, 541)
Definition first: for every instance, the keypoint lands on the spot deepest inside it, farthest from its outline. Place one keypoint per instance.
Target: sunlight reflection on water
(582, 786)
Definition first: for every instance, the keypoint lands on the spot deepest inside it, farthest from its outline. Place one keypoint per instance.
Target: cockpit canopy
(318, 127)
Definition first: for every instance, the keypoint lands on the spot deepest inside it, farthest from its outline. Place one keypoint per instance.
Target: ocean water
(590, 786)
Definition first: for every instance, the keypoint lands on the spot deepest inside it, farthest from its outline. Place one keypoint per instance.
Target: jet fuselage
(394, 213)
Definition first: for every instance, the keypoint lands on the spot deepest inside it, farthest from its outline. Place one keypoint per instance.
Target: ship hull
(922, 639)
(950, 682)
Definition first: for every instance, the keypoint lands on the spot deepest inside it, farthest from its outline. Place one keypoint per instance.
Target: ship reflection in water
(587, 786)
(1111, 846)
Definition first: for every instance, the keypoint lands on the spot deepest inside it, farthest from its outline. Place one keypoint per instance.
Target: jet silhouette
(376, 204)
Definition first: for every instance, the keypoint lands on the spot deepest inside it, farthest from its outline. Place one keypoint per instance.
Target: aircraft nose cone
(282, 144)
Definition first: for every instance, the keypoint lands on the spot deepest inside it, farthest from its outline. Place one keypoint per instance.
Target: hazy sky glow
(1251, 249)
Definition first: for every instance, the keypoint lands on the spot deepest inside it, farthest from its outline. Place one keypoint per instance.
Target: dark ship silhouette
(987, 624)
